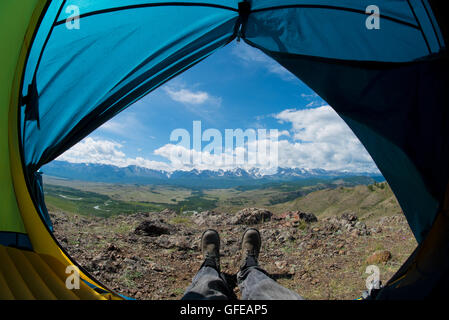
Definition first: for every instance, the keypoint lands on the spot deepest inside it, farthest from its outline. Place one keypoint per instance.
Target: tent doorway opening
(131, 211)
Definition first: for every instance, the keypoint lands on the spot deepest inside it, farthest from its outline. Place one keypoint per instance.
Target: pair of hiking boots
(250, 246)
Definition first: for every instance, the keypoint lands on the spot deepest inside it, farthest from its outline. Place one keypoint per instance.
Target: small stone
(349, 217)
(112, 247)
(360, 225)
(251, 216)
(153, 228)
(378, 257)
(280, 264)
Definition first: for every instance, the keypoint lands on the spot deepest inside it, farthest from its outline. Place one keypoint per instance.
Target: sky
(236, 87)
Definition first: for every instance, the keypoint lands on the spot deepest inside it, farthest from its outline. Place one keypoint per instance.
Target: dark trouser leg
(255, 284)
(208, 284)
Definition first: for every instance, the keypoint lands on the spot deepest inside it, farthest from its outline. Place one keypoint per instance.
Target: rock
(360, 225)
(330, 228)
(269, 234)
(153, 228)
(349, 217)
(208, 218)
(181, 243)
(296, 216)
(110, 267)
(283, 236)
(308, 217)
(168, 212)
(378, 257)
(251, 216)
(132, 238)
(142, 214)
(153, 266)
(112, 247)
(280, 264)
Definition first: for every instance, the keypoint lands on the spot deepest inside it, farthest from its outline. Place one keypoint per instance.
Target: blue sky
(236, 87)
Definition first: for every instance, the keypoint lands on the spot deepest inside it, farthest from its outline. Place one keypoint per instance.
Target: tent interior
(59, 84)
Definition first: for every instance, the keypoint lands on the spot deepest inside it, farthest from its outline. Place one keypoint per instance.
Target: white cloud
(318, 138)
(90, 150)
(187, 96)
(100, 151)
(322, 140)
(246, 157)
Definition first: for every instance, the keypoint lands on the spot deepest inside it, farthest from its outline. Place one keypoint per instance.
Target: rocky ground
(155, 255)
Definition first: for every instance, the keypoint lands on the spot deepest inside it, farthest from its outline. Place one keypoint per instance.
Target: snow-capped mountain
(194, 177)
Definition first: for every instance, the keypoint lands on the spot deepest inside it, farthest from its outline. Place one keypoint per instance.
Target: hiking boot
(251, 243)
(210, 247)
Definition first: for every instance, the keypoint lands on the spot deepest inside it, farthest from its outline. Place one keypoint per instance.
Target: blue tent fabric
(388, 84)
(373, 79)
(16, 240)
(342, 35)
(374, 99)
(74, 87)
(38, 191)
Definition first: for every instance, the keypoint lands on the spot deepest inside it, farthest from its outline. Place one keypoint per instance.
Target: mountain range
(193, 178)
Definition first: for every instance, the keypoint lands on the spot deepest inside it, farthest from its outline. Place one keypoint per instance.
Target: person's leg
(253, 281)
(208, 283)
(255, 284)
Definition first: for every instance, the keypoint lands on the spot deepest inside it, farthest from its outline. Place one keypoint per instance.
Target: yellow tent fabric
(25, 274)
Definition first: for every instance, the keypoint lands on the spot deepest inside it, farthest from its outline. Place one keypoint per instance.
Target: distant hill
(194, 178)
(365, 201)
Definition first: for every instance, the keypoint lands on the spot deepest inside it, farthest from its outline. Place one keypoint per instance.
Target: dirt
(155, 255)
